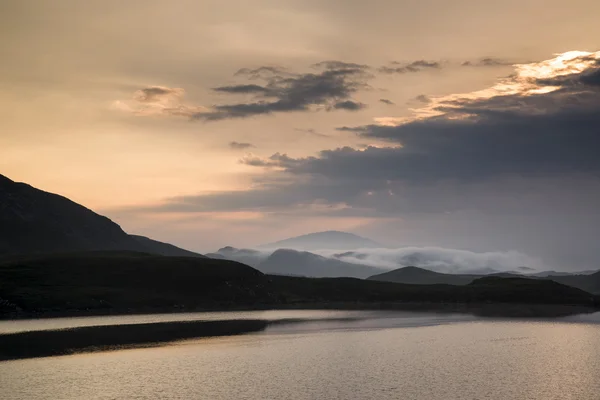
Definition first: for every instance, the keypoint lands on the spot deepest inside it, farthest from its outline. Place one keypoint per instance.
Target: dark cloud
(386, 101)
(538, 132)
(331, 88)
(590, 78)
(415, 66)
(261, 72)
(333, 64)
(487, 62)
(541, 130)
(422, 98)
(349, 105)
(240, 145)
(242, 89)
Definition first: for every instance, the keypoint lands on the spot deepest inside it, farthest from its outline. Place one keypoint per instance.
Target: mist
(445, 260)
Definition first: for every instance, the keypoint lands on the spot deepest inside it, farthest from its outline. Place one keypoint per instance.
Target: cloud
(158, 100)
(487, 62)
(157, 94)
(422, 98)
(527, 143)
(312, 132)
(439, 259)
(331, 88)
(236, 89)
(386, 101)
(240, 145)
(349, 105)
(415, 66)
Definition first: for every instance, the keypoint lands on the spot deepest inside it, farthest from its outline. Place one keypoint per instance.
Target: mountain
(589, 283)
(129, 282)
(163, 249)
(34, 221)
(420, 276)
(125, 280)
(544, 274)
(323, 241)
(302, 263)
(245, 256)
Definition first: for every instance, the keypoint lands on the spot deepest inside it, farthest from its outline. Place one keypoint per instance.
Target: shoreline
(48, 343)
(98, 338)
(509, 310)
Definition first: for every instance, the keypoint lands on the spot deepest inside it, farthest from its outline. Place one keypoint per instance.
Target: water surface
(371, 355)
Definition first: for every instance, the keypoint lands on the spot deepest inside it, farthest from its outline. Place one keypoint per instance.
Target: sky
(467, 125)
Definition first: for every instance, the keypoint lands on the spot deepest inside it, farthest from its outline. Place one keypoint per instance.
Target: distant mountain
(36, 222)
(420, 276)
(302, 263)
(544, 274)
(589, 283)
(245, 256)
(163, 249)
(323, 241)
(125, 282)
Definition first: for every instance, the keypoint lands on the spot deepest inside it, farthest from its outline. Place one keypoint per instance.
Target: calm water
(372, 356)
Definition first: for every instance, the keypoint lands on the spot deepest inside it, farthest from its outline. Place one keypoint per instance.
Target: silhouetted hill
(420, 276)
(302, 263)
(485, 290)
(163, 249)
(544, 274)
(589, 283)
(245, 256)
(324, 240)
(127, 282)
(34, 221)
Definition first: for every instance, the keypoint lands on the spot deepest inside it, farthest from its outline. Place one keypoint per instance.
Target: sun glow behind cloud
(524, 82)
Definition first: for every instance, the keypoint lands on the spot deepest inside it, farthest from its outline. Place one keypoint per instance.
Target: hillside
(123, 280)
(164, 249)
(302, 263)
(420, 276)
(324, 240)
(126, 282)
(34, 221)
(589, 283)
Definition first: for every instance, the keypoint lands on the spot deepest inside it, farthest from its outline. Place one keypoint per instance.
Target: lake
(336, 355)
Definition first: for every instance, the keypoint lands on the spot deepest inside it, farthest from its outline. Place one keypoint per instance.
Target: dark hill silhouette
(589, 283)
(128, 282)
(420, 276)
(36, 222)
(324, 240)
(302, 263)
(163, 249)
